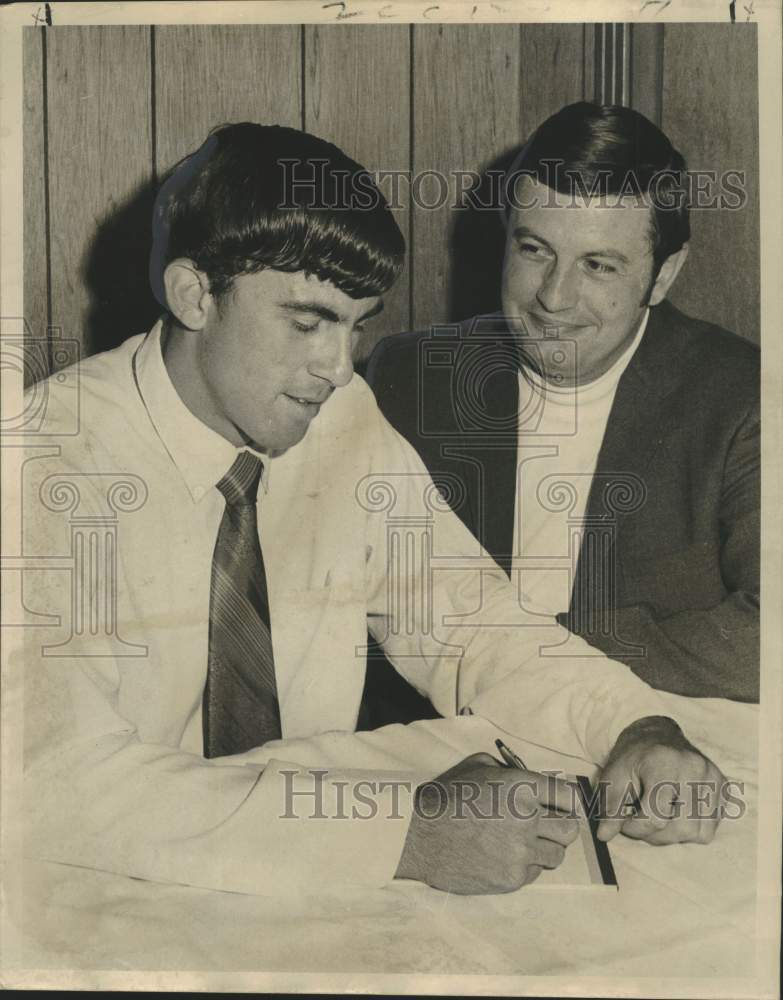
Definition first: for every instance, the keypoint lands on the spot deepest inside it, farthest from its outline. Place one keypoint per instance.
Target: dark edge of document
(601, 848)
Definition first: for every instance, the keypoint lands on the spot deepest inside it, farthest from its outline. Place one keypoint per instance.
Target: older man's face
(576, 272)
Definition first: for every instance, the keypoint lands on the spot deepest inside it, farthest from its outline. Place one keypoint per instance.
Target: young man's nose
(559, 289)
(334, 362)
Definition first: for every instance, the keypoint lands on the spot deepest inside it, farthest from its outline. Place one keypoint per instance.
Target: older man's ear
(667, 275)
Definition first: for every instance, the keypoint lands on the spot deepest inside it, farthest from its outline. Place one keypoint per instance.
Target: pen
(510, 757)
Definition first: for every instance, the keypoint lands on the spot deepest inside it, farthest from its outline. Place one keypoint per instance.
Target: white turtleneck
(560, 435)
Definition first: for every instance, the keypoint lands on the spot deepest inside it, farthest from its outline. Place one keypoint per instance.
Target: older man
(608, 444)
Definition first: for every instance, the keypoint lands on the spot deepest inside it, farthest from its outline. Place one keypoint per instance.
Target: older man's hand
(656, 786)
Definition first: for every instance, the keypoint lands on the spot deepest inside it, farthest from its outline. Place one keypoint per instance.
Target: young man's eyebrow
(318, 309)
(312, 307)
(522, 231)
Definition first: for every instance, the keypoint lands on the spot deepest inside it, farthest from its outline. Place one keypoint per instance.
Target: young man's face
(273, 351)
(580, 272)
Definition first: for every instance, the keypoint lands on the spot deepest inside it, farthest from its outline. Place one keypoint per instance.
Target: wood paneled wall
(108, 109)
(710, 113)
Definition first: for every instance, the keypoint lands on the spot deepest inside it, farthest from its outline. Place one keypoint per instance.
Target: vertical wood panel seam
(303, 74)
(659, 57)
(520, 74)
(625, 99)
(47, 199)
(584, 62)
(615, 35)
(623, 64)
(627, 65)
(412, 319)
(153, 108)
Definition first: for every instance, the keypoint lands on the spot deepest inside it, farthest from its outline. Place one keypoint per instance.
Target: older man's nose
(558, 291)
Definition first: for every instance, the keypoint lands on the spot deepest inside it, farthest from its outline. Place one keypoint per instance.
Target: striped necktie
(240, 697)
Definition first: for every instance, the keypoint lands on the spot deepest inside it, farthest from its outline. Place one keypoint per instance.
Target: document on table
(587, 863)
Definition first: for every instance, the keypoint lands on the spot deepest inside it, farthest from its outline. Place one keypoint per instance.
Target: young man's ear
(187, 293)
(668, 272)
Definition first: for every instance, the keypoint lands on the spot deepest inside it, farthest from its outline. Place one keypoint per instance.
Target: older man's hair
(610, 150)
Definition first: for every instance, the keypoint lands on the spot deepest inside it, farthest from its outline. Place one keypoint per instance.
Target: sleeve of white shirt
(459, 634)
(100, 796)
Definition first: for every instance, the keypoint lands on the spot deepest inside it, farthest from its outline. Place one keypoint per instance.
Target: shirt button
(198, 492)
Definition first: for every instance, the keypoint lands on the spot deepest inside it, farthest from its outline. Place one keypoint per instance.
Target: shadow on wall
(117, 266)
(476, 246)
(116, 274)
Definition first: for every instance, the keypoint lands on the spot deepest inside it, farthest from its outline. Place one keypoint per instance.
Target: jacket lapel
(635, 430)
(499, 465)
(486, 381)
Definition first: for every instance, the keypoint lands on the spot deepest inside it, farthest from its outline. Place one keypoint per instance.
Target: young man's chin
(279, 437)
(286, 438)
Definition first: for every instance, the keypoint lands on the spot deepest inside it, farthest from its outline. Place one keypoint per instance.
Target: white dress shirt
(115, 775)
(560, 434)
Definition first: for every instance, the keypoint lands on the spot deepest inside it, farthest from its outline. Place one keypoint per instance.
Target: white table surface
(684, 917)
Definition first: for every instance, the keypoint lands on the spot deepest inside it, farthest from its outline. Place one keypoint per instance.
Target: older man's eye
(599, 267)
(305, 327)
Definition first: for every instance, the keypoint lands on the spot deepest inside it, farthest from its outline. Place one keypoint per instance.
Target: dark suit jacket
(673, 509)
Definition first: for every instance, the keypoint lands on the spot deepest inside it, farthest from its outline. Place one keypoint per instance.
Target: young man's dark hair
(264, 196)
(610, 150)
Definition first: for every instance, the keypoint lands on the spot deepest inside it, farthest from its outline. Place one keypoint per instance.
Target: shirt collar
(201, 455)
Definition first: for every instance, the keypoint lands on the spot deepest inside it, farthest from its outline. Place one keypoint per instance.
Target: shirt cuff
(320, 828)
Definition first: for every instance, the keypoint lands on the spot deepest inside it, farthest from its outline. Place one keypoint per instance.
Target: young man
(609, 444)
(239, 487)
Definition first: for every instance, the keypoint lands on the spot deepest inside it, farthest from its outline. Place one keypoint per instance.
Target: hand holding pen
(510, 757)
